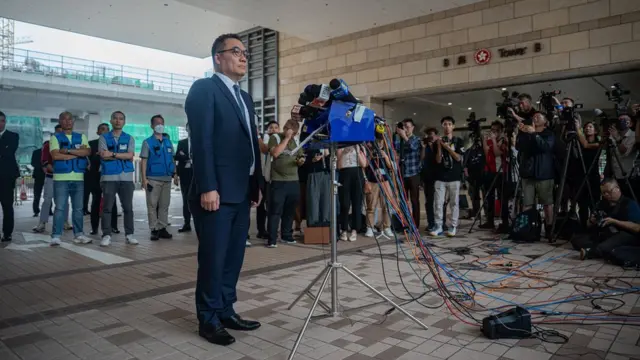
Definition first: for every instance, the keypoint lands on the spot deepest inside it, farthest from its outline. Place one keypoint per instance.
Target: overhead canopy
(189, 26)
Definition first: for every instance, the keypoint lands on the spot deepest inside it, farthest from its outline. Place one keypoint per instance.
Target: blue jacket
(160, 161)
(117, 166)
(79, 164)
(537, 160)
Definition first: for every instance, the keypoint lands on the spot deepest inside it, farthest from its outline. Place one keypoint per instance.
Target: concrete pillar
(91, 123)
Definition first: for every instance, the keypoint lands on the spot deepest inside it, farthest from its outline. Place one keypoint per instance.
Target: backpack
(266, 171)
(527, 227)
(626, 256)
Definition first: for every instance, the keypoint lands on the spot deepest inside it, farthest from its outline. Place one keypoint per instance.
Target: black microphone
(340, 91)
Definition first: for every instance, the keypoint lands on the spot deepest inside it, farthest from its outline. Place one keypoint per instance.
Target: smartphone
(149, 187)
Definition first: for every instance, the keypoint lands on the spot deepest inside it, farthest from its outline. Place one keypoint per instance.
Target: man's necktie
(236, 88)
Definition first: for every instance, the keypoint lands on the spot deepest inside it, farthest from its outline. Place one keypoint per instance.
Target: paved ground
(129, 302)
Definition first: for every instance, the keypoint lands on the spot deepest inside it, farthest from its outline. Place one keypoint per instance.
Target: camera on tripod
(616, 93)
(510, 101)
(473, 124)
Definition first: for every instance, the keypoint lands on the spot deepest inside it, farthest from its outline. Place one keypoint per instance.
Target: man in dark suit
(38, 180)
(185, 174)
(226, 182)
(10, 172)
(92, 180)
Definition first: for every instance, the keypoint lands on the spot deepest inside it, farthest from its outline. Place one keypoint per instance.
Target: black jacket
(38, 173)
(182, 157)
(8, 147)
(536, 154)
(94, 159)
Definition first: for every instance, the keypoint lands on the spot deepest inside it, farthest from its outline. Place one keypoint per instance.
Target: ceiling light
(537, 102)
(503, 89)
(415, 114)
(470, 109)
(450, 104)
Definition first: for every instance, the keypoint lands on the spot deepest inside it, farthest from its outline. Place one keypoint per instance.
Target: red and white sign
(482, 56)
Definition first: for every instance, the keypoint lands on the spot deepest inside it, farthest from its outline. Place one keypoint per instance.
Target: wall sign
(504, 53)
(482, 56)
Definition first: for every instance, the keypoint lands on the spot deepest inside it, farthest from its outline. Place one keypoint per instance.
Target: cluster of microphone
(318, 97)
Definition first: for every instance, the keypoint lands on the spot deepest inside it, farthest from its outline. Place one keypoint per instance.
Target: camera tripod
(509, 165)
(331, 269)
(611, 153)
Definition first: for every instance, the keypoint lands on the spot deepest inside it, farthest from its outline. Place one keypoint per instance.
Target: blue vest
(79, 164)
(117, 166)
(160, 161)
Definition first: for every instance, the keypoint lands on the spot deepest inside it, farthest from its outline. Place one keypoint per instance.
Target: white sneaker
(353, 236)
(388, 232)
(40, 228)
(436, 232)
(82, 240)
(55, 242)
(451, 232)
(248, 244)
(343, 236)
(106, 241)
(369, 233)
(131, 241)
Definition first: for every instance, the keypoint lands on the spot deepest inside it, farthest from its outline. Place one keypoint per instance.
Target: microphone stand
(331, 269)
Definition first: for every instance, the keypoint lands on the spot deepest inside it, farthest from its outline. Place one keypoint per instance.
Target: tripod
(509, 165)
(611, 152)
(331, 270)
(571, 145)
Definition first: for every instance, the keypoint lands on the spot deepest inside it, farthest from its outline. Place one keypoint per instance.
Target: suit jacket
(94, 160)
(221, 143)
(8, 147)
(182, 157)
(38, 173)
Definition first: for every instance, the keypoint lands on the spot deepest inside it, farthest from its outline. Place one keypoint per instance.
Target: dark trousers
(412, 188)
(38, 185)
(584, 200)
(351, 197)
(601, 246)
(124, 190)
(261, 211)
(87, 192)
(7, 188)
(96, 198)
(185, 183)
(429, 197)
(283, 199)
(222, 235)
(490, 197)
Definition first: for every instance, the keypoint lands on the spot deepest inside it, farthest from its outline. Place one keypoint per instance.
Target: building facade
(486, 44)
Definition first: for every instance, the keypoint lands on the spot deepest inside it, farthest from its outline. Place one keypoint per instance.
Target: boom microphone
(340, 91)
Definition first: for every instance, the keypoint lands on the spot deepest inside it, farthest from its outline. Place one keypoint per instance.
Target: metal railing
(34, 62)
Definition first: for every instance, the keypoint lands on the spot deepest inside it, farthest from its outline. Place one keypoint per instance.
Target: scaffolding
(7, 42)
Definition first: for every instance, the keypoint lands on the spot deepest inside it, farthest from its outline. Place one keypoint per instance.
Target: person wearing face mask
(158, 168)
(624, 139)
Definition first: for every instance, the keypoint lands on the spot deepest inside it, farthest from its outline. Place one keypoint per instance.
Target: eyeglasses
(237, 52)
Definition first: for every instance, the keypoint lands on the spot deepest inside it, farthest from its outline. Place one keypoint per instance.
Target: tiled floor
(67, 303)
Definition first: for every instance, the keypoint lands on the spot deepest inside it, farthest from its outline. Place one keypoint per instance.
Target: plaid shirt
(411, 156)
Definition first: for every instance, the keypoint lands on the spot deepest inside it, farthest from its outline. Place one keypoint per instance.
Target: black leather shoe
(185, 228)
(237, 323)
(216, 335)
(93, 232)
(115, 231)
(164, 234)
(6, 238)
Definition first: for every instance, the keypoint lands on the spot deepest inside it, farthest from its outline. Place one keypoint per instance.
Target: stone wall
(576, 37)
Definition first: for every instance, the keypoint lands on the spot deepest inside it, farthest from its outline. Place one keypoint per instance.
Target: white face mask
(159, 129)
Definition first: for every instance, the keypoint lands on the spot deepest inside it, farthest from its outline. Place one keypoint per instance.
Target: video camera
(510, 101)
(616, 93)
(474, 124)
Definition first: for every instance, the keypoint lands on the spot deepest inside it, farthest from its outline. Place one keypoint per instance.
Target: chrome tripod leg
(385, 298)
(307, 291)
(313, 308)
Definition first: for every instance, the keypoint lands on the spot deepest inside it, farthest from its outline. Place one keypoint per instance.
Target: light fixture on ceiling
(503, 89)
(470, 108)
(450, 104)
(537, 102)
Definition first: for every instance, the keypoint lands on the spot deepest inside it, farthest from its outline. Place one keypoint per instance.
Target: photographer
(590, 141)
(624, 140)
(525, 110)
(495, 150)
(449, 151)
(409, 147)
(428, 172)
(617, 221)
(535, 143)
